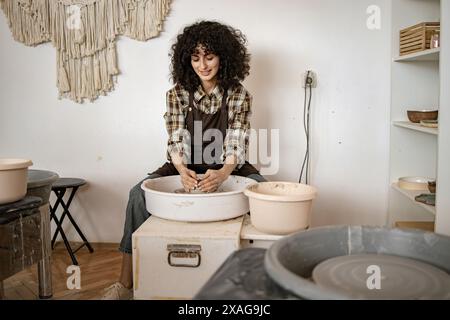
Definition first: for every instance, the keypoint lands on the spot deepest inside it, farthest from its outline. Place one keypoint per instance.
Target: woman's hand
(188, 179)
(212, 180)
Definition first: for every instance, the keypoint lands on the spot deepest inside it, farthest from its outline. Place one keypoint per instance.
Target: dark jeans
(137, 212)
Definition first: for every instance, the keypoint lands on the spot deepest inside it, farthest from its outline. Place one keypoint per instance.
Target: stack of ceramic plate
(414, 183)
(429, 123)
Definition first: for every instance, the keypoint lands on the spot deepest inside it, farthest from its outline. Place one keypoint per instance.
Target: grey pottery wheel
(290, 261)
(39, 184)
(400, 278)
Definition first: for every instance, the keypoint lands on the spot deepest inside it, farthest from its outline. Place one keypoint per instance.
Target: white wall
(115, 141)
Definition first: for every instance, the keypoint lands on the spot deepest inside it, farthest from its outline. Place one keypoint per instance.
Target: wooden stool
(59, 188)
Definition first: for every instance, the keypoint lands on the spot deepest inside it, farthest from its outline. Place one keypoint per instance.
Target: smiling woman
(208, 61)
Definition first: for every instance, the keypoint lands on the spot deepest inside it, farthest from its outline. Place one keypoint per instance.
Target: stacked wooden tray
(417, 38)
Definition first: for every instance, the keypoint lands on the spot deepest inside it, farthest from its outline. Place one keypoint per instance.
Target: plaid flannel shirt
(239, 112)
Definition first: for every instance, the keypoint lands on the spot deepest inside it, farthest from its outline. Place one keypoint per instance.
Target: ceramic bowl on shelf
(414, 183)
(418, 115)
(432, 186)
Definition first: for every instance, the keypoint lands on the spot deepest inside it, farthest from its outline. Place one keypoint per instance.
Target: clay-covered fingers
(189, 180)
(192, 174)
(212, 180)
(210, 186)
(207, 178)
(188, 185)
(206, 181)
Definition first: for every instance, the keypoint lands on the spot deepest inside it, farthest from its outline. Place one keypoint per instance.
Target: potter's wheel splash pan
(164, 200)
(290, 261)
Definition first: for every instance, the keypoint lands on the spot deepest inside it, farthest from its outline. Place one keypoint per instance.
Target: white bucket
(13, 179)
(280, 207)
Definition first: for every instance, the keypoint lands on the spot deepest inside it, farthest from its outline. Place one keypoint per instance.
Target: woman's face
(206, 65)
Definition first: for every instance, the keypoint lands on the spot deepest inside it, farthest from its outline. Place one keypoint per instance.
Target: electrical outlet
(309, 79)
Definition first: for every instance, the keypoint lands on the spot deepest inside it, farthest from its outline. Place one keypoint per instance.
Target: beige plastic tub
(13, 179)
(280, 207)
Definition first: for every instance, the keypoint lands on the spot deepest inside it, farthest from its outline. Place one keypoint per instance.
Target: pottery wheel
(400, 278)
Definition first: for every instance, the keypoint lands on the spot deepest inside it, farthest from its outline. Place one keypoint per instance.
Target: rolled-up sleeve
(175, 125)
(237, 138)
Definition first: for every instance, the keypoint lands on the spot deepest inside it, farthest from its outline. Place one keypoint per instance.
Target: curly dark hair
(222, 40)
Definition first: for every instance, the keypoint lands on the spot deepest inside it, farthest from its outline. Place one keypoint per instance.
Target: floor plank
(98, 270)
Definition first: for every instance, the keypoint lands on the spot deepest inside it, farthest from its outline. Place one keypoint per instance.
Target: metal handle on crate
(184, 251)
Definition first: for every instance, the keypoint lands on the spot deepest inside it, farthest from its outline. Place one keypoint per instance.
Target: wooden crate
(417, 38)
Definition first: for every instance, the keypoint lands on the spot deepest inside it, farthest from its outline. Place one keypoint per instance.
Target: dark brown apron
(218, 120)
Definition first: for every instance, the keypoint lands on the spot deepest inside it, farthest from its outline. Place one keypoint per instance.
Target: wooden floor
(98, 270)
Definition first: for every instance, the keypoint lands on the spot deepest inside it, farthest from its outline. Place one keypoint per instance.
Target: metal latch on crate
(184, 251)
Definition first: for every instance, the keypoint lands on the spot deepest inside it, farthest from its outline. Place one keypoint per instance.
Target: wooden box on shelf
(417, 38)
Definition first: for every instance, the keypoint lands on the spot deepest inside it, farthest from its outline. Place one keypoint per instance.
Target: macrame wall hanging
(84, 34)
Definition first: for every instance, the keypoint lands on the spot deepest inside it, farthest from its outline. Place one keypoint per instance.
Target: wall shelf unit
(415, 126)
(426, 55)
(415, 85)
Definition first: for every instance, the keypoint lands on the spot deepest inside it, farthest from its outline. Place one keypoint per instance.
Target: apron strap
(191, 99)
(224, 107)
(190, 114)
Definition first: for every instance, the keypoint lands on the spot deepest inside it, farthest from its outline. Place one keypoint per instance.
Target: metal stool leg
(63, 235)
(45, 278)
(80, 233)
(60, 199)
(53, 215)
(66, 242)
(45, 265)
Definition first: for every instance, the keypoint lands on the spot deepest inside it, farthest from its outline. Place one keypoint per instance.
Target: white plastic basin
(280, 207)
(13, 179)
(227, 203)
